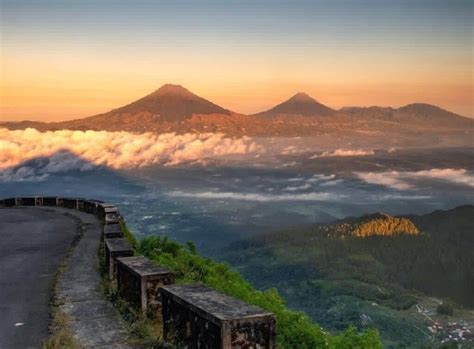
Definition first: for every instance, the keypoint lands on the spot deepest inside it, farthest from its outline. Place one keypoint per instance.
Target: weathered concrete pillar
(80, 204)
(196, 316)
(112, 231)
(115, 248)
(139, 282)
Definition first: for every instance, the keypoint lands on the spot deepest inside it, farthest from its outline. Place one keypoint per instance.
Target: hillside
(380, 280)
(294, 329)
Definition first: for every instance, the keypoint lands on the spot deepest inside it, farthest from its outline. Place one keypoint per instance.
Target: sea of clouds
(67, 150)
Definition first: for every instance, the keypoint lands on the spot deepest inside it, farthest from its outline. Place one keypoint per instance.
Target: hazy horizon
(63, 60)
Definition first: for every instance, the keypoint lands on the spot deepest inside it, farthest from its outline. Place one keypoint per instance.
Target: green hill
(294, 329)
(370, 271)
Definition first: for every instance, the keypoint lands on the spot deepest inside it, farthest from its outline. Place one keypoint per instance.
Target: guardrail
(193, 315)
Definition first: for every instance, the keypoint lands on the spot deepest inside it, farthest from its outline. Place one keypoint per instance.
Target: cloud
(389, 179)
(400, 179)
(331, 183)
(322, 196)
(460, 176)
(297, 188)
(403, 197)
(112, 149)
(321, 177)
(343, 152)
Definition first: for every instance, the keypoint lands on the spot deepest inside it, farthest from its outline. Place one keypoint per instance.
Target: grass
(146, 332)
(61, 335)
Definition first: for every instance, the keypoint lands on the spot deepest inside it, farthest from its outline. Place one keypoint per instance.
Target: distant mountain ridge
(173, 108)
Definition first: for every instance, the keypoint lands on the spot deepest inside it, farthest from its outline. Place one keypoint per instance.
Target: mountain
(172, 108)
(168, 109)
(415, 114)
(299, 104)
(170, 103)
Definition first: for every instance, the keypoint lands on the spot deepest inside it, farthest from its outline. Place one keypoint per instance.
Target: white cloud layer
(401, 179)
(343, 152)
(321, 196)
(113, 149)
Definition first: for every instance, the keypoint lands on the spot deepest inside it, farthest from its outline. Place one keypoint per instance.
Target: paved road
(33, 242)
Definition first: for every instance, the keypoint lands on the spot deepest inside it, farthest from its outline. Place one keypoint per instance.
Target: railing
(193, 315)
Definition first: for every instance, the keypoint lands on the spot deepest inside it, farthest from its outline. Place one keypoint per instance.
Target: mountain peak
(173, 90)
(300, 104)
(302, 97)
(171, 103)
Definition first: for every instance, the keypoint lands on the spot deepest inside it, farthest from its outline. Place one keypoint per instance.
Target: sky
(63, 59)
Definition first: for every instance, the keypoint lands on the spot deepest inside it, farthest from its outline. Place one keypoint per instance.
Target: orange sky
(57, 67)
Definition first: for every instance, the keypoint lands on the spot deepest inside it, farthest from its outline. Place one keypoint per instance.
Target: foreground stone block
(101, 209)
(139, 282)
(108, 213)
(26, 201)
(112, 216)
(80, 204)
(115, 248)
(50, 201)
(71, 203)
(196, 316)
(10, 202)
(91, 206)
(112, 231)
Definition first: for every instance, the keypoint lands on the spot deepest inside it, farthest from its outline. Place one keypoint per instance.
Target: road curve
(33, 243)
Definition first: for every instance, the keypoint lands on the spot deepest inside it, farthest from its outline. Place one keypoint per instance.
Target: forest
(341, 279)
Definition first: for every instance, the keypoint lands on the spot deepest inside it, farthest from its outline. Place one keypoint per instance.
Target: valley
(391, 280)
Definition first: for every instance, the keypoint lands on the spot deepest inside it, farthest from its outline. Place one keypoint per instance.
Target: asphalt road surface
(33, 243)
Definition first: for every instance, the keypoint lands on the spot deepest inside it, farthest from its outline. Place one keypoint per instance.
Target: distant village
(447, 332)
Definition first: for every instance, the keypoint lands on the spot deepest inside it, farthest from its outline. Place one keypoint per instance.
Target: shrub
(445, 309)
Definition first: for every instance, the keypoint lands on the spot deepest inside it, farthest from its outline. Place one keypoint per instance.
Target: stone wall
(193, 316)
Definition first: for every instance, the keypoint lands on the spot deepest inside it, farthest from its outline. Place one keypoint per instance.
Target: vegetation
(294, 329)
(339, 279)
(384, 225)
(445, 309)
(60, 336)
(145, 332)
